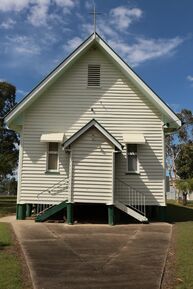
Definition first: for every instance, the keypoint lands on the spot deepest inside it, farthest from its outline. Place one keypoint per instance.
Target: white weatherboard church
(91, 132)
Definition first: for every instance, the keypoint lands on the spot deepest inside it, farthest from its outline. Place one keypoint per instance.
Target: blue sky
(154, 37)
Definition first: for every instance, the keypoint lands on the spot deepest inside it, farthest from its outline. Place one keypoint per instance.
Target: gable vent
(93, 75)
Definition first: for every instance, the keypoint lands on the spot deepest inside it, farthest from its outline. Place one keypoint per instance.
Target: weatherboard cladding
(68, 105)
(86, 168)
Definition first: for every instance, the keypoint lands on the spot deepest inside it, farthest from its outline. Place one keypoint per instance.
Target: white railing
(135, 199)
(57, 188)
(39, 208)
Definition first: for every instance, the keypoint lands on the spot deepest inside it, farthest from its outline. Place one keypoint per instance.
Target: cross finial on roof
(94, 13)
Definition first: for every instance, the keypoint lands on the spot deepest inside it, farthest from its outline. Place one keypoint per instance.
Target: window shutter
(93, 75)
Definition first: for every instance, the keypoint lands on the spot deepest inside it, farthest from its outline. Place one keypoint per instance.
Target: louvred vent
(93, 75)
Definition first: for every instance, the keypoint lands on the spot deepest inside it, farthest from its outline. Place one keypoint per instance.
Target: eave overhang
(97, 125)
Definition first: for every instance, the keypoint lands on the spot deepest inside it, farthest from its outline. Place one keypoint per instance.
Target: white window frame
(132, 153)
(47, 159)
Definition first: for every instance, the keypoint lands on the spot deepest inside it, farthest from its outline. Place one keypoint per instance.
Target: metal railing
(135, 199)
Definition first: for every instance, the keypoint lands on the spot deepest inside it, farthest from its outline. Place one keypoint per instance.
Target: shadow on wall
(176, 213)
(151, 174)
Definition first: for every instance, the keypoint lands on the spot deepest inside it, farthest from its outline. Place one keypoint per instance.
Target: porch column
(113, 177)
(28, 210)
(70, 197)
(111, 215)
(21, 211)
(70, 213)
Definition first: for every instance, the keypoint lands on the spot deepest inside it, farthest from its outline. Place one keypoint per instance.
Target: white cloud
(13, 5)
(21, 92)
(190, 78)
(146, 49)
(39, 13)
(122, 17)
(8, 24)
(72, 44)
(66, 5)
(22, 45)
(89, 5)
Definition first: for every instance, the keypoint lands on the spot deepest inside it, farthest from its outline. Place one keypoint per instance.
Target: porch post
(21, 211)
(70, 178)
(28, 210)
(70, 213)
(111, 215)
(113, 177)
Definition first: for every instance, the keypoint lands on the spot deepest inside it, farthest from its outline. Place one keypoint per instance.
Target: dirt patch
(169, 278)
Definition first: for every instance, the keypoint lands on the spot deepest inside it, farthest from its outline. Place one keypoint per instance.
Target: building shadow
(175, 213)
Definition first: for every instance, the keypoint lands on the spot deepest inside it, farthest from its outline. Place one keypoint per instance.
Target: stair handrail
(56, 185)
(137, 199)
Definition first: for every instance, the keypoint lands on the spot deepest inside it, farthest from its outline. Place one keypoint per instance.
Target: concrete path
(94, 256)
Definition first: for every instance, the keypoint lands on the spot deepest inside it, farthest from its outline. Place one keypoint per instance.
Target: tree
(8, 138)
(8, 186)
(184, 162)
(185, 187)
(175, 141)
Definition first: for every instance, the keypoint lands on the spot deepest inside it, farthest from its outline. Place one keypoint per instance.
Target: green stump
(69, 213)
(21, 212)
(111, 215)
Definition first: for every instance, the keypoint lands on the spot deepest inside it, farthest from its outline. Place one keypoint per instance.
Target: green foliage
(179, 160)
(7, 205)
(185, 185)
(8, 138)
(7, 98)
(8, 186)
(185, 133)
(184, 162)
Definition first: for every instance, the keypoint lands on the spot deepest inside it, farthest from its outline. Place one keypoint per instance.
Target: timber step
(131, 212)
(46, 214)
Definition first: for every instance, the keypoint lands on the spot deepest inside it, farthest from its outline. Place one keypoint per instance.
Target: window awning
(52, 137)
(134, 138)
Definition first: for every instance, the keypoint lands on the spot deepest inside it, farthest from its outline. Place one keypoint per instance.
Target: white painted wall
(92, 165)
(66, 107)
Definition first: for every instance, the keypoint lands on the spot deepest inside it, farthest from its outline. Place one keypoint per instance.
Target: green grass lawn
(184, 254)
(183, 219)
(7, 205)
(12, 275)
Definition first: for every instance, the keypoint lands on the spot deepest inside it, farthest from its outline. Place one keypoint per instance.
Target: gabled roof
(169, 115)
(93, 123)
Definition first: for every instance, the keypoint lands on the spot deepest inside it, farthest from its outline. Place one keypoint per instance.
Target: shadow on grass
(3, 245)
(177, 213)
